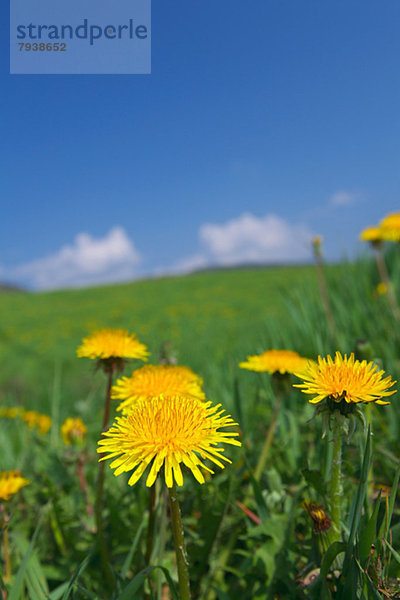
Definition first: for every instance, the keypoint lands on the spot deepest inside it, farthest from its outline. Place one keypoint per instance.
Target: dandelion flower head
(276, 361)
(73, 431)
(34, 419)
(10, 483)
(154, 380)
(344, 378)
(390, 227)
(381, 288)
(112, 343)
(168, 431)
(11, 413)
(371, 234)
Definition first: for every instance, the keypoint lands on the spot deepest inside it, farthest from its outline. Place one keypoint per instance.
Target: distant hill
(10, 288)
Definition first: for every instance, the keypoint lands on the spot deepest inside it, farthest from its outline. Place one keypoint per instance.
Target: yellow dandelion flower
(317, 240)
(43, 423)
(390, 227)
(168, 431)
(154, 380)
(73, 431)
(381, 288)
(371, 234)
(345, 379)
(10, 483)
(112, 343)
(276, 361)
(34, 419)
(14, 412)
(30, 418)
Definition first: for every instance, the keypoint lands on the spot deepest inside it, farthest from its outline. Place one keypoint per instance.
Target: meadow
(247, 537)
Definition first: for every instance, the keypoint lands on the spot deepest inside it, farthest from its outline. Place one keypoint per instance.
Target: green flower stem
(370, 488)
(268, 440)
(151, 524)
(323, 289)
(6, 553)
(384, 275)
(104, 554)
(180, 549)
(335, 477)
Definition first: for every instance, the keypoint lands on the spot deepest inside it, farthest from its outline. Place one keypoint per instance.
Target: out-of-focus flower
(276, 361)
(34, 419)
(390, 227)
(10, 483)
(11, 413)
(73, 431)
(381, 288)
(153, 380)
(112, 343)
(371, 234)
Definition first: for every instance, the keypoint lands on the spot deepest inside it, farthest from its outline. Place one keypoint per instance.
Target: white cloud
(87, 260)
(343, 198)
(251, 239)
(248, 239)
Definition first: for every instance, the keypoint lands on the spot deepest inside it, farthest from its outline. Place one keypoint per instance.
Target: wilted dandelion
(154, 380)
(321, 526)
(320, 520)
(168, 431)
(344, 383)
(73, 431)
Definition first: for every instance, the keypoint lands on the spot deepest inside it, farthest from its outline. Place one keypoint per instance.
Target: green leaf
(263, 511)
(369, 534)
(237, 402)
(138, 581)
(396, 555)
(329, 556)
(132, 550)
(374, 594)
(358, 503)
(58, 592)
(315, 480)
(75, 576)
(16, 590)
(385, 525)
(220, 594)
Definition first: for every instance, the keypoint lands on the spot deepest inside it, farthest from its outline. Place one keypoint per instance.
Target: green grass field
(209, 321)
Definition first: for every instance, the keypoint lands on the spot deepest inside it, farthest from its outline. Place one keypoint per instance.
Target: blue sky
(261, 124)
